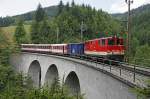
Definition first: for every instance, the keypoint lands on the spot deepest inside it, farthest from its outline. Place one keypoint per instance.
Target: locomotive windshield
(111, 41)
(115, 41)
(119, 41)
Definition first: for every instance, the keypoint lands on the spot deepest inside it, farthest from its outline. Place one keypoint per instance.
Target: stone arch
(73, 83)
(51, 74)
(34, 72)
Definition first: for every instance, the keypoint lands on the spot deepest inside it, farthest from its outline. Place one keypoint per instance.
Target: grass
(10, 30)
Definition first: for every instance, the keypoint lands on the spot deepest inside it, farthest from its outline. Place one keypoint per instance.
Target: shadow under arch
(72, 82)
(34, 72)
(51, 75)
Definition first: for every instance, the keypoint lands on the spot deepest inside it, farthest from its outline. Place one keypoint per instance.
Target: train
(106, 47)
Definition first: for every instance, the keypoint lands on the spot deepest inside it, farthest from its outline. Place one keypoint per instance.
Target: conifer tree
(35, 32)
(67, 6)
(44, 32)
(20, 33)
(39, 14)
(60, 7)
(72, 4)
(36, 25)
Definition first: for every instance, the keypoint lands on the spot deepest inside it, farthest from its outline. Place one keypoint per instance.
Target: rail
(131, 74)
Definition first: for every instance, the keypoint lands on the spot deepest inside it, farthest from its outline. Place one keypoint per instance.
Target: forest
(140, 34)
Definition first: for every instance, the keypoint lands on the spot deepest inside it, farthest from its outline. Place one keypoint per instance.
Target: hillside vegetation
(10, 30)
(68, 23)
(7, 21)
(140, 33)
(140, 23)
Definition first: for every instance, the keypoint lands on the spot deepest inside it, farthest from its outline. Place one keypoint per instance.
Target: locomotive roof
(103, 38)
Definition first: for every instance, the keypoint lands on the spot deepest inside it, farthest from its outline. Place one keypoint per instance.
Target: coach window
(103, 42)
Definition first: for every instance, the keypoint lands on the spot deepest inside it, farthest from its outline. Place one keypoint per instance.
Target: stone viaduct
(77, 75)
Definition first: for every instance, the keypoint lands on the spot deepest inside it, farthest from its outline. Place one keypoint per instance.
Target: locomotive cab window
(119, 41)
(111, 41)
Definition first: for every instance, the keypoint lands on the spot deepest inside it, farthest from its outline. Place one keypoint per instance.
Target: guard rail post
(134, 71)
(110, 65)
(120, 68)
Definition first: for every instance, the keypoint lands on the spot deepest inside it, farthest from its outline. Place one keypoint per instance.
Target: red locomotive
(109, 47)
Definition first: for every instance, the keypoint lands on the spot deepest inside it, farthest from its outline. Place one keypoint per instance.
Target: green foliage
(35, 32)
(20, 33)
(11, 84)
(60, 7)
(143, 92)
(39, 14)
(59, 91)
(40, 28)
(140, 24)
(6, 21)
(140, 33)
(73, 3)
(142, 55)
(44, 32)
(35, 27)
(5, 48)
(69, 23)
(135, 44)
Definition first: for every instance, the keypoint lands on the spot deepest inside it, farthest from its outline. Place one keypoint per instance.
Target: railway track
(129, 67)
(132, 75)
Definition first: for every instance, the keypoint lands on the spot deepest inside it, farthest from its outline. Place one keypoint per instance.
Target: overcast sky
(15, 7)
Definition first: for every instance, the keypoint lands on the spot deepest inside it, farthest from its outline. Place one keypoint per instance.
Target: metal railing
(132, 74)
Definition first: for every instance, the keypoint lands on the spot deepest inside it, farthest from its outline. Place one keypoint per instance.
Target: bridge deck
(130, 76)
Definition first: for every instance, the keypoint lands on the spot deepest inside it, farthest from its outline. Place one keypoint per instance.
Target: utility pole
(129, 2)
(81, 31)
(57, 35)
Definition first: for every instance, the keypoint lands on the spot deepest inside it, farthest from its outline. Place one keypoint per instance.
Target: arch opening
(35, 73)
(51, 75)
(72, 82)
